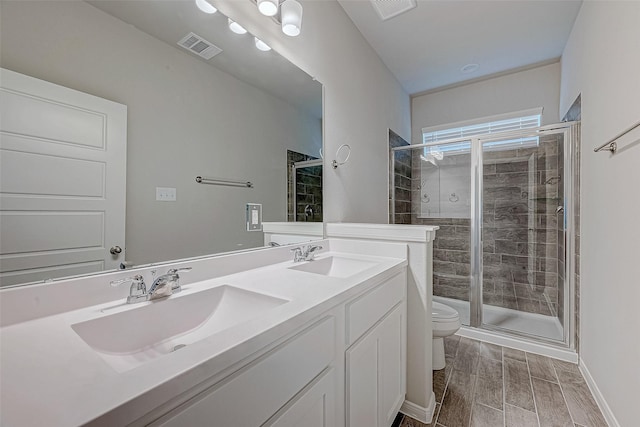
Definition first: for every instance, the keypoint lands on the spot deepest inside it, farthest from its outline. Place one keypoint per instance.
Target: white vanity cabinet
(376, 361)
(252, 395)
(300, 382)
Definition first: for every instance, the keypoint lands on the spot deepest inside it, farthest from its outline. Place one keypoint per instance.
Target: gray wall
(536, 87)
(362, 101)
(185, 118)
(601, 62)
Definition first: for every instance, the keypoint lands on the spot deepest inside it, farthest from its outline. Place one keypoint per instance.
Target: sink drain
(178, 347)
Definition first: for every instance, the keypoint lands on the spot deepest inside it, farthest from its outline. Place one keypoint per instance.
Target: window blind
(511, 124)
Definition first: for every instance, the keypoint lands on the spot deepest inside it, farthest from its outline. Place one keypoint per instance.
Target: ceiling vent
(388, 9)
(196, 44)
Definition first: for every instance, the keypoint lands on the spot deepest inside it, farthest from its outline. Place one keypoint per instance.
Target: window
(527, 119)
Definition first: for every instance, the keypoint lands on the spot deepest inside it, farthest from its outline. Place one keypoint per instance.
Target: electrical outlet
(165, 194)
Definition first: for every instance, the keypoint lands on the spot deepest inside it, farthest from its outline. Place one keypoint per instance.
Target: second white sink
(335, 266)
(131, 338)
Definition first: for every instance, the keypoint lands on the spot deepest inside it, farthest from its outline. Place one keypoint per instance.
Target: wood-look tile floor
(485, 385)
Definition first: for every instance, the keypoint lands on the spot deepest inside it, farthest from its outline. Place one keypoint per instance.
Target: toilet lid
(443, 312)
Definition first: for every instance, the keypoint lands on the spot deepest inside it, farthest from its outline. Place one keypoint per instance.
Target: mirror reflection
(108, 120)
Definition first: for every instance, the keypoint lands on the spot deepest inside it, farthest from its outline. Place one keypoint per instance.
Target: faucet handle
(175, 285)
(133, 280)
(309, 252)
(137, 291)
(297, 254)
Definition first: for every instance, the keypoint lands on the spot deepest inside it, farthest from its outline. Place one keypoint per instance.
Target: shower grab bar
(611, 145)
(216, 181)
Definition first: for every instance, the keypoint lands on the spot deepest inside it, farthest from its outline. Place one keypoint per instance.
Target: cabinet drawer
(254, 393)
(366, 310)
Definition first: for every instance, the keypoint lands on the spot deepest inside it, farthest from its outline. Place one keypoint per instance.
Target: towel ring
(336, 163)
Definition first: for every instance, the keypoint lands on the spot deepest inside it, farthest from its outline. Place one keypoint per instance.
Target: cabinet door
(391, 360)
(375, 373)
(362, 382)
(313, 407)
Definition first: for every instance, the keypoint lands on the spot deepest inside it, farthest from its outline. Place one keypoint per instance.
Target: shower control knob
(115, 250)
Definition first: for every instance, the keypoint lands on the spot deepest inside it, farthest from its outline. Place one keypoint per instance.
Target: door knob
(115, 250)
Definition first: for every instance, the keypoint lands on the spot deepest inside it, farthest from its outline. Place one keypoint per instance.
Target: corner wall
(601, 62)
(362, 101)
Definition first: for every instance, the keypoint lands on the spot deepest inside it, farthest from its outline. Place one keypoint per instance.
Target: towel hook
(336, 163)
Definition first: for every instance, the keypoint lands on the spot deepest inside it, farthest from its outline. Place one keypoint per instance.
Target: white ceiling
(426, 47)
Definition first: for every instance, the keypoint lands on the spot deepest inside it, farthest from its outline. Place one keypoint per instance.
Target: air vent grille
(199, 46)
(388, 9)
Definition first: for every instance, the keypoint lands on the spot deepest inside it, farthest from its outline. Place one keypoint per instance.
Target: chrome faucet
(306, 254)
(167, 284)
(163, 286)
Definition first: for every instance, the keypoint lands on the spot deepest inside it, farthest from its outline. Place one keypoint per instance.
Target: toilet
(445, 321)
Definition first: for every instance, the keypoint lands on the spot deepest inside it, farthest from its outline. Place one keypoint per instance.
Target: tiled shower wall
(400, 211)
(520, 251)
(309, 189)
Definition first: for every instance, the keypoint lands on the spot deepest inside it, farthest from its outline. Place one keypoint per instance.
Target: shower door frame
(294, 179)
(569, 132)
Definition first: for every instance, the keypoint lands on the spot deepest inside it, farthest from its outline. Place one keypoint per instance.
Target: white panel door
(62, 180)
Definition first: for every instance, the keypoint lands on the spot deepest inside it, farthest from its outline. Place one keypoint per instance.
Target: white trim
(393, 232)
(424, 415)
(609, 417)
(297, 228)
(519, 344)
(515, 114)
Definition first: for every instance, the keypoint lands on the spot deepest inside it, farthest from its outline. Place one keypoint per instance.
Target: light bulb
(236, 28)
(268, 7)
(291, 17)
(205, 6)
(261, 45)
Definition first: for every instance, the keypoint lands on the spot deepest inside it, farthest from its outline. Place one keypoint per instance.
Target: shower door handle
(559, 209)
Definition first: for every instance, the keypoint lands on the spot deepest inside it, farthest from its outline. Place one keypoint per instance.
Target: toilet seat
(441, 312)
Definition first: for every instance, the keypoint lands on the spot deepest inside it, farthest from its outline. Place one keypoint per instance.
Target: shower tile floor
(485, 385)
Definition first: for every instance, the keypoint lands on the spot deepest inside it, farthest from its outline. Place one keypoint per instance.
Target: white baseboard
(600, 400)
(424, 415)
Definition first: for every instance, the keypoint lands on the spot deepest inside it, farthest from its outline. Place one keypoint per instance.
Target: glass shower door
(522, 195)
(432, 186)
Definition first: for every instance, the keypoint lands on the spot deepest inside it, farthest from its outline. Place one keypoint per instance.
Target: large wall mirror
(245, 115)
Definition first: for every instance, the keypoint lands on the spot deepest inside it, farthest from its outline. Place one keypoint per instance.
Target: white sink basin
(131, 338)
(334, 266)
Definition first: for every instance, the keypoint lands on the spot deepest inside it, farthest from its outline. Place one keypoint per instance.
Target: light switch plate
(165, 194)
(254, 217)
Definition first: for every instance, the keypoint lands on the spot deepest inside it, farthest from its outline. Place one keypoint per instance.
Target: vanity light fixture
(291, 14)
(286, 13)
(205, 6)
(268, 7)
(235, 27)
(261, 45)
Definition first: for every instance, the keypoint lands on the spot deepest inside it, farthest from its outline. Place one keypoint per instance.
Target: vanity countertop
(51, 376)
